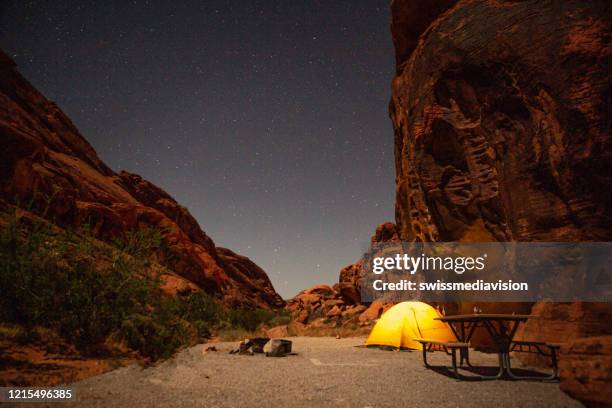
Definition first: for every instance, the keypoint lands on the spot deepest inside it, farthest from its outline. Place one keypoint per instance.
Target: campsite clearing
(326, 372)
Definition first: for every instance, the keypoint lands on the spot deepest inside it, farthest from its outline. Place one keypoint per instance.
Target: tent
(400, 324)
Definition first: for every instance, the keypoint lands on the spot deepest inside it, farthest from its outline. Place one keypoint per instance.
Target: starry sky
(266, 119)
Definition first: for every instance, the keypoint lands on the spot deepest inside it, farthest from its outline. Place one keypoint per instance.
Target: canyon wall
(501, 116)
(500, 111)
(47, 166)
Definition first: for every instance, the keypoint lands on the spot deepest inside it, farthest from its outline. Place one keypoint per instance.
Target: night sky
(267, 119)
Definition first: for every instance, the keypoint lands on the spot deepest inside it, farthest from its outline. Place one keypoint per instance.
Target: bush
(53, 279)
(156, 335)
(144, 244)
(86, 290)
(249, 319)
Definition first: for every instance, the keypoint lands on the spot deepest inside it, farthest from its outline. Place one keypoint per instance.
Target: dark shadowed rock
(564, 323)
(410, 20)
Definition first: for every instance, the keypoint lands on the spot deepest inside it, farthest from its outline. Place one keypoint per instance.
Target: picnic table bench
(449, 347)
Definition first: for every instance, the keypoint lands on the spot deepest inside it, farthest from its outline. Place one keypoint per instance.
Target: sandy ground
(34, 366)
(326, 372)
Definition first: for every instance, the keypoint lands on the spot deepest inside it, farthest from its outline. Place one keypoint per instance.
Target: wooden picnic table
(502, 329)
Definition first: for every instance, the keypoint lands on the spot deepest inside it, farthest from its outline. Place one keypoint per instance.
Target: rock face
(349, 275)
(500, 122)
(586, 370)
(502, 133)
(564, 323)
(46, 163)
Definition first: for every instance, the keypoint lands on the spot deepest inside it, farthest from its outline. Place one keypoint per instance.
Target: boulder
(353, 311)
(563, 323)
(302, 316)
(385, 232)
(334, 312)
(278, 331)
(319, 290)
(278, 348)
(330, 303)
(374, 311)
(348, 292)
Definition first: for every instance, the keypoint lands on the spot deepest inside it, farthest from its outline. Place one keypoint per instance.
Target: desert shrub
(54, 279)
(146, 244)
(249, 319)
(202, 311)
(283, 316)
(156, 335)
(86, 290)
(173, 322)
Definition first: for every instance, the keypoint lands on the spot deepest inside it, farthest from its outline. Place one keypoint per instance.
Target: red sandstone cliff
(45, 161)
(502, 133)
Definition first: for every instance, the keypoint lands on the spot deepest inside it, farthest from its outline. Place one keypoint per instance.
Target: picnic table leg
(500, 372)
(464, 354)
(553, 376)
(454, 360)
(554, 363)
(425, 356)
(467, 339)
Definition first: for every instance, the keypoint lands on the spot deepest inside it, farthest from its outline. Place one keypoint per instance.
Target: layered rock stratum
(48, 166)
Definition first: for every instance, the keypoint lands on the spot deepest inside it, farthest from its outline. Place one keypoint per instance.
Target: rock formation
(46, 164)
(340, 304)
(586, 370)
(500, 122)
(502, 133)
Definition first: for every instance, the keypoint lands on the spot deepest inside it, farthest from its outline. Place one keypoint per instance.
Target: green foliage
(157, 335)
(87, 291)
(281, 317)
(141, 244)
(249, 319)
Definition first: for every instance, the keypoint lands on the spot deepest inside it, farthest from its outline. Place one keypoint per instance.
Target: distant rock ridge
(46, 163)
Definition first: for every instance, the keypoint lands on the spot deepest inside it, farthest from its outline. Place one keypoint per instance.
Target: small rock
(277, 348)
(335, 311)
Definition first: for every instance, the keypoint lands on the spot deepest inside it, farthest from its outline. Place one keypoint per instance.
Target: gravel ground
(326, 372)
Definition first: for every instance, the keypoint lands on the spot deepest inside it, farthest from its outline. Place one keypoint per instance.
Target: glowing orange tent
(399, 325)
